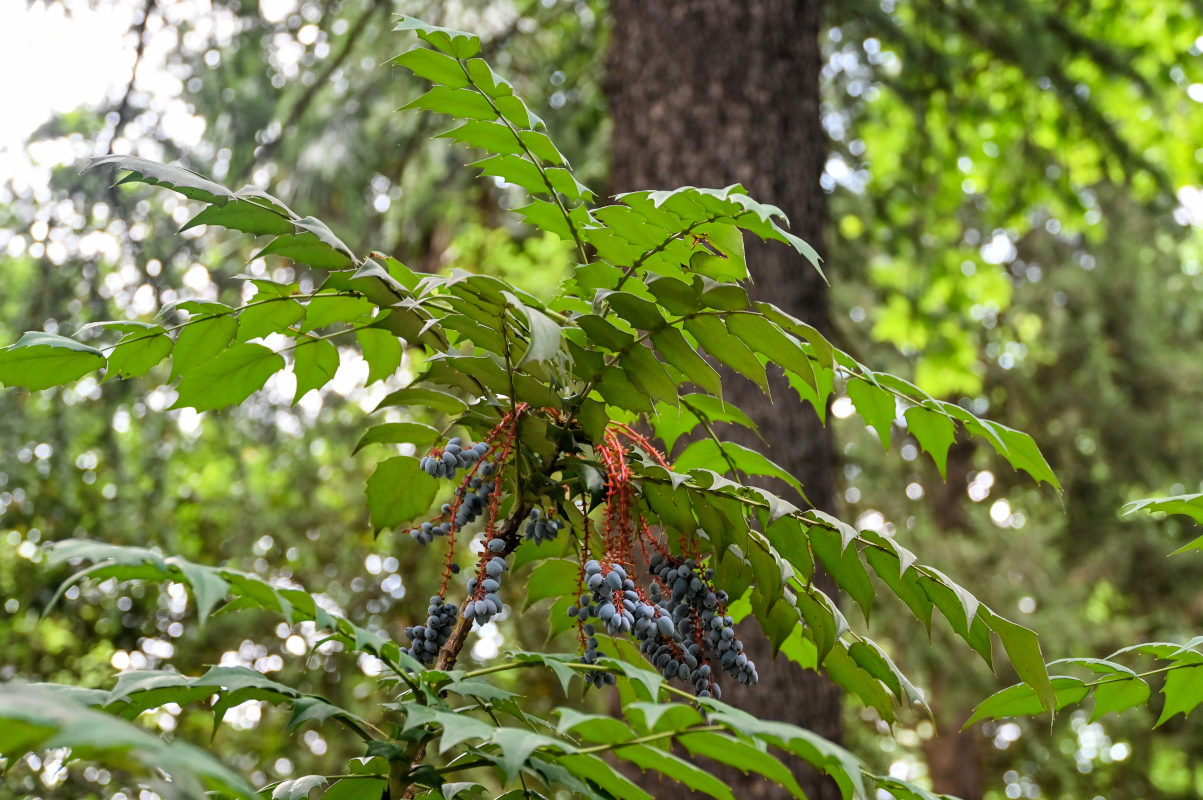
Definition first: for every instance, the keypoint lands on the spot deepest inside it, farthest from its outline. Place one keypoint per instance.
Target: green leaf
(421, 397)
(601, 728)
(517, 744)
(381, 350)
(136, 353)
(188, 183)
(546, 216)
(358, 788)
(40, 360)
(243, 215)
(554, 577)
(1018, 448)
(199, 340)
(1183, 690)
(399, 491)
(660, 717)
(488, 81)
(1118, 696)
(228, 378)
(463, 103)
(727, 348)
(640, 313)
(433, 66)
(298, 788)
(935, 433)
(208, 587)
(844, 565)
(676, 297)
(678, 769)
(513, 169)
(328, 309)
(593, 769)
(422, 437)
(645, 371)
(875, 405)
(34, 718)
(494, 137)
(1190, 505)
(848, 673)
(1020, 700)
(268, 317)
(541, 146)
(719, 253)
(313, 243)
(545, 335)
(677, 351)
(459, 728)
(460, 44)
(314, 362)
(767, 338)
(1023, 650)
(742, 756)
(709, 454)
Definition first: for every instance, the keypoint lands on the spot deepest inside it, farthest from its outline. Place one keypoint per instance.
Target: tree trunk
(956, 761)
(714, 92)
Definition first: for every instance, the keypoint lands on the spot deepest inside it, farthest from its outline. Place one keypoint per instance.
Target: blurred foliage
(1012, 201)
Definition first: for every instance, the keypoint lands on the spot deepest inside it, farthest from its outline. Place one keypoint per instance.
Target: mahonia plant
(1110, 682)
(542, 452)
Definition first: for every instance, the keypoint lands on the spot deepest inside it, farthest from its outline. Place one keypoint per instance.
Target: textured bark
(955, 758)
(714, 92)
(955, 762)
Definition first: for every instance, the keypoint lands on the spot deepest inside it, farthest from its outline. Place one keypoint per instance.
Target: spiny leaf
(935, 433)
(188, 183)
(137, 352)
(201, 339)
(314, 363)
(399, 491)
(40, 360)
(460, 44)
(433, 66)
(228, 378)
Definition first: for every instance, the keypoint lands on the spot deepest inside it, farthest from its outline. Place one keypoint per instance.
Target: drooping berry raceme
(477, 495)
(454, 456)
(679, 622)
(540, 528)
(483, 601)
(472, 496)
(426, 640)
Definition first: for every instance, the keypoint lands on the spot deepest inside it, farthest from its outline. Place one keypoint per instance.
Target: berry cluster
(679, 624)
(594, 677)
(679, 621)
(695, 611)
(425, 640)
(483, 601)
(540, 529)
(471, 499)
(453, 457)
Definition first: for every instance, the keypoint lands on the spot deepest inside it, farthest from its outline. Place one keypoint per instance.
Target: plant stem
(510, 534)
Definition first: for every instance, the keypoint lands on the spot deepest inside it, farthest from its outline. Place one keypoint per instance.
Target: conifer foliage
(536, 456)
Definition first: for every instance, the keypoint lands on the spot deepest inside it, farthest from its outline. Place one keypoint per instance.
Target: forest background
(1012, 225)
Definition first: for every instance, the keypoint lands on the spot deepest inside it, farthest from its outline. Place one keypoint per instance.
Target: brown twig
(510, 533)
(123, 108)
